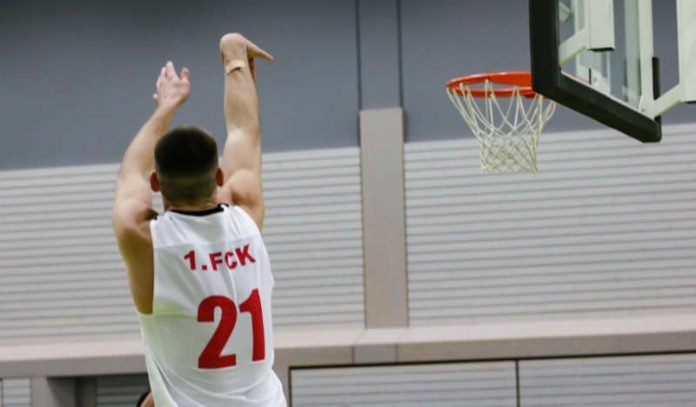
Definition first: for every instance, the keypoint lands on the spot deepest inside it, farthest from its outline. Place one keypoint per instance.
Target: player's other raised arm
(241, 160)
(133, 196)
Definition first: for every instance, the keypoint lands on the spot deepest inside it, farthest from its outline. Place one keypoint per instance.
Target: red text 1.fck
(229, 259)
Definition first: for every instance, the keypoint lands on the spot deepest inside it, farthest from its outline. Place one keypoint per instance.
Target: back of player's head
(186, 161)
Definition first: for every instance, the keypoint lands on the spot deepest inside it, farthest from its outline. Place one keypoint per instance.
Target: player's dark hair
(186, 160)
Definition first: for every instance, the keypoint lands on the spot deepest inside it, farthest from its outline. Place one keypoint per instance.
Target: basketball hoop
(507, 134)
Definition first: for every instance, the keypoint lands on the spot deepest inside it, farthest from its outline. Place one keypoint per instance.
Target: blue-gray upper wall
(76, 76)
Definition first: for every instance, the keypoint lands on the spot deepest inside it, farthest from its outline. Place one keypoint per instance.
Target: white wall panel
(433, 385)
(313, 231)
(120, 391)
(61, 276)
(15, 392)
(607, 228)
(60, 273)
(639, 381)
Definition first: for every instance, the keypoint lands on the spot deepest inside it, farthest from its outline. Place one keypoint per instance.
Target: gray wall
(77, 75)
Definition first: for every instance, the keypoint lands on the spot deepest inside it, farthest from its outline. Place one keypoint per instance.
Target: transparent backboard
(612, 67)
(596, 57)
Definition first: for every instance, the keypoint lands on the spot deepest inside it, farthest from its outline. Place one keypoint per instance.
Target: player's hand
(230, 43)
(254, 51)
(237, 46)
(172, 89)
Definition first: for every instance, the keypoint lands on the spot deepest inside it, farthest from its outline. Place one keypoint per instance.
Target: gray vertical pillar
(381, 145)
(47, 392)
(384, 229)
(380, 67)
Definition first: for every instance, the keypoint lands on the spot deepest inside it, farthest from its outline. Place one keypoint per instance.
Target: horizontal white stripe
(61, 275)
(606, 228)
(479, 384)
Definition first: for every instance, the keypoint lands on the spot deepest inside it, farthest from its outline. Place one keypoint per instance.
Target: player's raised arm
(133, 197)
(242, 153)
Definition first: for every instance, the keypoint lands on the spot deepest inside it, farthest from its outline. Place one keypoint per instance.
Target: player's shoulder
(245, 216)
(256, 211)
(131, 219)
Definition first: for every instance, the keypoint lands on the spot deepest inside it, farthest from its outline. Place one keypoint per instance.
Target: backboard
(596, 57)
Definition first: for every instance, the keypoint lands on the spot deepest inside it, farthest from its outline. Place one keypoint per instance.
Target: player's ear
(219, 177)
(154, 182)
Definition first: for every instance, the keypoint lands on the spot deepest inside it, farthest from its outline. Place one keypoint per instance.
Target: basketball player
(199, 273)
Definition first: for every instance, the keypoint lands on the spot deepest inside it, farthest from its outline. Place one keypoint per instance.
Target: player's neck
(209, 204)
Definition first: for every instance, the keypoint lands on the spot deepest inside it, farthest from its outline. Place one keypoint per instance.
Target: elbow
(243, 131)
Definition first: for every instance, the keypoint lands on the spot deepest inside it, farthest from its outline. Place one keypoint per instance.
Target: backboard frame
(549, 80)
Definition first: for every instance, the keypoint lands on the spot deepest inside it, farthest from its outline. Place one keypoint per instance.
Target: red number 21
(211, 357)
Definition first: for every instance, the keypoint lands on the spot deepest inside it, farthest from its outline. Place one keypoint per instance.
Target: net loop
(506, 127)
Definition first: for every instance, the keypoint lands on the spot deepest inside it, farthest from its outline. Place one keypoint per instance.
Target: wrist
(166, 109)
(162, 116)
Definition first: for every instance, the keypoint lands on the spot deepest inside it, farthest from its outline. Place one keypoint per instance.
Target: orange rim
(521, 80)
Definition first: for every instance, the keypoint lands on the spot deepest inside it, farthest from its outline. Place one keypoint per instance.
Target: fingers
(185, 74)
(170, 88)
(160, 79)
(254, 51)
(158, 84)
(236, 41)
(170, 72)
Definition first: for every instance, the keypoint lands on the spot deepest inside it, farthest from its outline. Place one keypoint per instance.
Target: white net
(508, 133)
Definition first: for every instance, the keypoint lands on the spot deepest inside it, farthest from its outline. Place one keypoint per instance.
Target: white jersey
(209, 339)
